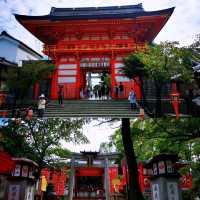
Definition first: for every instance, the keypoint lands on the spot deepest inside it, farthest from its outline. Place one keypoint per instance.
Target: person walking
(132, 99)
(107, 91)
(60, 95)
(95, 91)
(103, 91)
(116, 90)
(99, 92)
(41, 105)
(121, 90)
(91, 93)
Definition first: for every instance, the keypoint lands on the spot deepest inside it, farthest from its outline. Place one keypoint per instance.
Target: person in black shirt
(60, 95)
(121, 89)
(116, 89)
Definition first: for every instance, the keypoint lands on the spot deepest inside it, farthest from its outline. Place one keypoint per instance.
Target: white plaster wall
(23, 55)
(8, 50)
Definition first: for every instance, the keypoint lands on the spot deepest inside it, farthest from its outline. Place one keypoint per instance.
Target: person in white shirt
(41, 105)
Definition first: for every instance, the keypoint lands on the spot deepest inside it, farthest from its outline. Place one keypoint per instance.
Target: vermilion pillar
(137, 88)
(54, 86)
(36, 90)
(78, 80)
(113, 82)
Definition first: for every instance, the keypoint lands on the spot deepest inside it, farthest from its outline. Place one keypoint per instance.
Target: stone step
(87, 108)
(89, 102)
(91, 115)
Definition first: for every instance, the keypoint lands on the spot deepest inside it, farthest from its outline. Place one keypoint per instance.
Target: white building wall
(24, 55)
(13, 52)
(8, 49)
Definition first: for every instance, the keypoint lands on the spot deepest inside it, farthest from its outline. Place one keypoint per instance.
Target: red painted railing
(93, 46)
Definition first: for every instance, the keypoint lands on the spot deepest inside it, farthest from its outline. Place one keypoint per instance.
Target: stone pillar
(165, 182)
(106, 179)
(166, 188)
(71, 180)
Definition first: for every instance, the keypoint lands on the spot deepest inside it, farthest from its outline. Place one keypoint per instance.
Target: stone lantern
(21, 183)
(165, 178)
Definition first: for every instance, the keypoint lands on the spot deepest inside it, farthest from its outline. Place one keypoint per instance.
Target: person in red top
(29, 114)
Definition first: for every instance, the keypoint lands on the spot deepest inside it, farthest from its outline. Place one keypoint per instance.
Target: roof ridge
(136, 6)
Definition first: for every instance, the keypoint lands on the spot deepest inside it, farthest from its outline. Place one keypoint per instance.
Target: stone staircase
(91, 108)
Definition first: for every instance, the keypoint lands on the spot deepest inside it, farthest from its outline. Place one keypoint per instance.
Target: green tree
(162, 63)
(20, 80)
(165, 135)
(138, 71)
(40, 140)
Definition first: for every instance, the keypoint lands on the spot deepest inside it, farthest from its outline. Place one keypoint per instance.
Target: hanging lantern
(175, 101)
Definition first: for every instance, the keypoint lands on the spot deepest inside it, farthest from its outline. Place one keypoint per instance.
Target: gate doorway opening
(95, 85)
(89, 186)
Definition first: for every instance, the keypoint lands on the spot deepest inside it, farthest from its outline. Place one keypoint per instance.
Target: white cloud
(184, 23)
(95, 134)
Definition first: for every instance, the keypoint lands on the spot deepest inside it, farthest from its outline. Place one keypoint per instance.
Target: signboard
(155, 190)
(172, 191)
(169, 166)
(17, 170)
(30, 173)
(186, 182)
(161, 167)
(155, 170)
(95, 62)
(25, 171)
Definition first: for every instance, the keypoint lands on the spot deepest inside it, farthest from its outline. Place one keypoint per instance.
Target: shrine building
(93, 40)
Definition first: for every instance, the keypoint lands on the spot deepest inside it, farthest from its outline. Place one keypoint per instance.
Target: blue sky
(182, 26)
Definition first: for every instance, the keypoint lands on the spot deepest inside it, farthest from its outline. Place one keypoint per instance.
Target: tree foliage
(40, 140)
(20, 80)
(165, 135)
(162, 63)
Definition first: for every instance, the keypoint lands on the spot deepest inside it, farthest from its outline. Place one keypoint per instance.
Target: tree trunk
(144, 103)
(158, 112)
(134, 192)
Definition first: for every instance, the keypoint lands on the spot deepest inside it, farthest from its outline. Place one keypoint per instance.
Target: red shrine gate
(93, 39)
